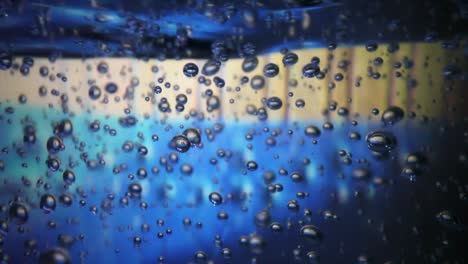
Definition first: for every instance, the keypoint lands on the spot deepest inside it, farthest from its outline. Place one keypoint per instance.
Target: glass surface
(254, 131)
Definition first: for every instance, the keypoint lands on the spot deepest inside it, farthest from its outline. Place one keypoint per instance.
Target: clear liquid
(251, 132)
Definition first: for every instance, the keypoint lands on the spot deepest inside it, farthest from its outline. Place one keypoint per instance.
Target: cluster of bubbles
(381, 140)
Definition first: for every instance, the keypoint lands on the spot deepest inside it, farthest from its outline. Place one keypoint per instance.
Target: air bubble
(262, 218)
(190, 70)
(392, 115)
(249, 63)
(94, 92)
(381, 141)
(193, 135)
(252, 165)
(48, 203)
(18, 213)
(215, 198)
(311, 232)
(257, 82)
(210, 68)
(111, 88)
(270, 70)
(55, 144)
(310, 70)
(180, 143)
(312, 131)
(290, 59)
(274, 103)
(68, 177)
(135, 190)
(55, 256)
(103, 67)
(6, 61)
